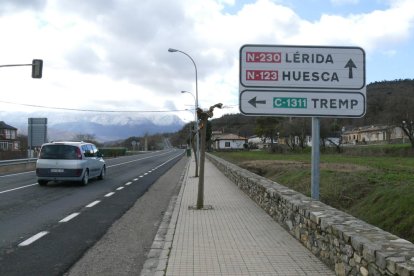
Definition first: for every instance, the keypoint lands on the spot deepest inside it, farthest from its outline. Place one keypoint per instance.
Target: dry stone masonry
(344, 243)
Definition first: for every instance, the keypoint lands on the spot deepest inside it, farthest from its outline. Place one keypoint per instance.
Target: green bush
(113, 152)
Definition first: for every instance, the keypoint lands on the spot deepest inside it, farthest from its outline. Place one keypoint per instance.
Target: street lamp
(195, 102)
(195, 67)
(171, 50)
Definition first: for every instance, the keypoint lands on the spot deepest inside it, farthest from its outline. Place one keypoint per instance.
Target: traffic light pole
(37, 67)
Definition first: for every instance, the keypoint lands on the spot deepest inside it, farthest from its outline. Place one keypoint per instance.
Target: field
(377, 189)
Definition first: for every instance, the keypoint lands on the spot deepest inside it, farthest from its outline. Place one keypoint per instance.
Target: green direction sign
(289, 102)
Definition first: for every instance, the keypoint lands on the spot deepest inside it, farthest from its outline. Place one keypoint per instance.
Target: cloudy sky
(112, 55)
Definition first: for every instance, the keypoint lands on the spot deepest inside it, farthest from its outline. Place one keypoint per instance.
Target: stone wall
(346, 244)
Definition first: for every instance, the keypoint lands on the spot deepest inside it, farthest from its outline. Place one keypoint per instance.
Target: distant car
(69, 161)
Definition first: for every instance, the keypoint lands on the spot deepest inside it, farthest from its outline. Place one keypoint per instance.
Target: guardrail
(17, 161)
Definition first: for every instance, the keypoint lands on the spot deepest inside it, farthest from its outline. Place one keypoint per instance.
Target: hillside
(388, 102)
(104, 126)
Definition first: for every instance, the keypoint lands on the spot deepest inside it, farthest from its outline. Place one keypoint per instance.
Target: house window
(9, 134)
(4, 145)
(226, 144)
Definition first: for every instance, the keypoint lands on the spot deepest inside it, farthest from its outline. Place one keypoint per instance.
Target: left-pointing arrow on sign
(254, 102)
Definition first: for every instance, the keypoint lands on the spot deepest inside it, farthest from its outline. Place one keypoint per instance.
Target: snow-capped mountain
(105, 127)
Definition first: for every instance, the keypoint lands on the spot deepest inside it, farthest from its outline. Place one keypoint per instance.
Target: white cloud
(344, 2)
(379, 29)
(113, 54)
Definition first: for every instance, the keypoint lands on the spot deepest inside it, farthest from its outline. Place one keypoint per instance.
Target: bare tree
(90, 138)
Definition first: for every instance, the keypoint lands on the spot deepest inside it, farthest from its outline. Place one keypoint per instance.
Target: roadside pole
(200, 194)
(315, 158)
(203, 118)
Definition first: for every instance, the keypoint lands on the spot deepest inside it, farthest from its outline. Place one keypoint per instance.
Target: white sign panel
(302, 81)
(303, 104)
(302, 67)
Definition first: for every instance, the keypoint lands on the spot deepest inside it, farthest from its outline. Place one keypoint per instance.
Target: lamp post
(171, 50)
(195, 102)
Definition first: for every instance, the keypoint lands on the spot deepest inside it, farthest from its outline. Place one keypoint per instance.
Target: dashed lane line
(68, 218)
(22, 187)
(73, 215)
(34, 238)
(109, 166)
(92, 204)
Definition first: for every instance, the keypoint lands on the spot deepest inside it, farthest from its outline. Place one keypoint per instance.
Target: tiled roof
(3, 125)
(229, 137)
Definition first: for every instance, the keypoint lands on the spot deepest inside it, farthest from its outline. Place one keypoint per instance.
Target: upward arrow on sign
(350, 64)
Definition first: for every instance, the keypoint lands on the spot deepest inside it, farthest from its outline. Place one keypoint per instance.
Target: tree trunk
(195, 153)
(200, 196)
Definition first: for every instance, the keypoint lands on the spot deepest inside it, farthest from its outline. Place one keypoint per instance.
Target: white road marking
(92, 204)
(33, 238)
(14, 174)
(22, 187)
(120, 188)
(68, 218)
(155, 155)
(71, 216)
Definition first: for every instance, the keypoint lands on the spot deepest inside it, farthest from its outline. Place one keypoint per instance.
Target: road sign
(303, 104)
(302, 67)
(37, 132)
(302, 81)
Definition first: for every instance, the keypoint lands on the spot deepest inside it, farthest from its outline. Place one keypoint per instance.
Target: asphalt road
(45, 230)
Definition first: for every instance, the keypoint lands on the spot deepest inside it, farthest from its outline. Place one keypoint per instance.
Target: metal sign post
(315, 158)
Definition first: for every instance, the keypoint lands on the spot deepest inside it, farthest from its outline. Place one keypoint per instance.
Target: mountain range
(105, 127)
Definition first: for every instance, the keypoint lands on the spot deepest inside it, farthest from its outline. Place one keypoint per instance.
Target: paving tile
(236, 237)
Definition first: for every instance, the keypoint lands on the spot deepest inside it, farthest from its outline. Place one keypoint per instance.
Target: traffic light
(37, 67)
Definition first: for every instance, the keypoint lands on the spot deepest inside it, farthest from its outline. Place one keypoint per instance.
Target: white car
(69, 161)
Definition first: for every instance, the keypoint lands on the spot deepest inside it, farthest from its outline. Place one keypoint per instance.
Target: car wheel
(85, 178)
(103, 173)
(42, 182)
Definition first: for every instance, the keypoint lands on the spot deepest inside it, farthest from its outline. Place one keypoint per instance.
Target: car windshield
(58, 152)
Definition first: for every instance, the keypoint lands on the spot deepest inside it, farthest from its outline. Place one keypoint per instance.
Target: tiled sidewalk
(236, 237)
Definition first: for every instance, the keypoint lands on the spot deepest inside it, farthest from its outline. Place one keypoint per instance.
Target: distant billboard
(37, 132)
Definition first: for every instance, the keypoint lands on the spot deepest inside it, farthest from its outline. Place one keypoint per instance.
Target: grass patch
(376, 189)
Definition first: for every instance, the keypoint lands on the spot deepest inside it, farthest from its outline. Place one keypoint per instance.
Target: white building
(228, 142)
(374, 134)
